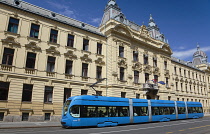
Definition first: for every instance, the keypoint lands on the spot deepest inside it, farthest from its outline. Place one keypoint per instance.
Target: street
(190, 126)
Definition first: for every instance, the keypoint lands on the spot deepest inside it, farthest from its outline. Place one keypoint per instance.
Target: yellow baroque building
(46, 57)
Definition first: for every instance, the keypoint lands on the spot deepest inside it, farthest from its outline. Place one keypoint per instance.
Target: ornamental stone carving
(181, 80)
(148, 69)
(156, 71)
(144, 32)
(100, 61)
(70, 55)
(10, 41)
(52, 50)
(85, 58)
(176, 79)
(137, 66)
(122, 63)
(32, 46)
(167, 73)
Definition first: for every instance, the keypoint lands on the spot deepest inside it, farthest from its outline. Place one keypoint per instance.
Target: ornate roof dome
(199, 53)
(199, 57)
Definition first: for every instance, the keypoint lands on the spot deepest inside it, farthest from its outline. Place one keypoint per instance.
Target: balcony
(151, 88)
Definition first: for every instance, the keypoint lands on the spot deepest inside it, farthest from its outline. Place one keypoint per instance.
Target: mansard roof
(22, 5)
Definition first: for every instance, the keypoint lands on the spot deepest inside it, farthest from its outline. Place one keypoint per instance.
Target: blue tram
(86, 110)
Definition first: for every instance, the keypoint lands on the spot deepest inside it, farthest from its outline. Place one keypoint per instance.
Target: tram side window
(88, 111)
(195, 110)
(163, 110)
(75, 111)
(181, 110)
(140, 111)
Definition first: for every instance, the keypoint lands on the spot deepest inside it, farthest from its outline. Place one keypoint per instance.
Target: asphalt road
(191, 126)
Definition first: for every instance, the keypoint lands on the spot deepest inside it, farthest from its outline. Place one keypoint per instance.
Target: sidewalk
(9, 125)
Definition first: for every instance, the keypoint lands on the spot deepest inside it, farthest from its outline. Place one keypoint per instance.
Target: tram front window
(66, 105)
(74, 110)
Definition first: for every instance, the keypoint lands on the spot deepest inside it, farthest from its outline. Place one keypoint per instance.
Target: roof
(22, 5)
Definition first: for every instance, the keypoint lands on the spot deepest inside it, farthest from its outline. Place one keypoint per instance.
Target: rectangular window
(84, 70)
(137, 96)
(155, 62)
(1, 116)
(99, 48)
(122, 73)
(165, 65)
(136, 76)
(189, 74)
(67, 94)
(84, 92)
(140, 111)
(25, 116)
(155, 79)
(85, 44)
(184, 73)
(68, 67)
(146, 77)
(4, 89)
(180, 71)
(53, 36)
(70, 41)
(123, 94)
(146, 59)
(135, 56)
(176, 85)
(175, 70)
(34, 31)
(13, 25)
(51, 64)
(99, 72)
(99, 93)
(27, 92)
(48, 94)
(121, 51)
(167, 82)
(8, 56)
(30, 61)
(47, 116)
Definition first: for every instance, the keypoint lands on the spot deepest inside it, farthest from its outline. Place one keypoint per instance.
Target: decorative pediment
(176, 79)
(11, 42)
(70, 55)
(143, 31)
(156, 71)
(122, 63)
(100, 61)
(181, 80)
(85, 58)
(52, 50)
(122, 29)
(190, 82)
(186, 81)
(137, 66)
(166, 48)
(148, 69)
(32, 46)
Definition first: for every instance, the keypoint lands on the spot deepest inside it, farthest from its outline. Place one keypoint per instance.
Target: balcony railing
(150, 86)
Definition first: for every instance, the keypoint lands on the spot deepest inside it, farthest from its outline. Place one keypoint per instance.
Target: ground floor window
(47, 116)
(1, 116)
(25, 116)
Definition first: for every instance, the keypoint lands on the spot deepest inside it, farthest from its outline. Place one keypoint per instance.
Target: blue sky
(183, 22)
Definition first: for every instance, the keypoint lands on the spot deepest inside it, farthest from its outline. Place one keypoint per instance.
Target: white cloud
(63, 9)
(96, 20)
(188, 53)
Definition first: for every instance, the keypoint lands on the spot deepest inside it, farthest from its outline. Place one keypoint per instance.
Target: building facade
(46, 57)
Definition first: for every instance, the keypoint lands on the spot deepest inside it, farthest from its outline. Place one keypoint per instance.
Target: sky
(185, 23)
